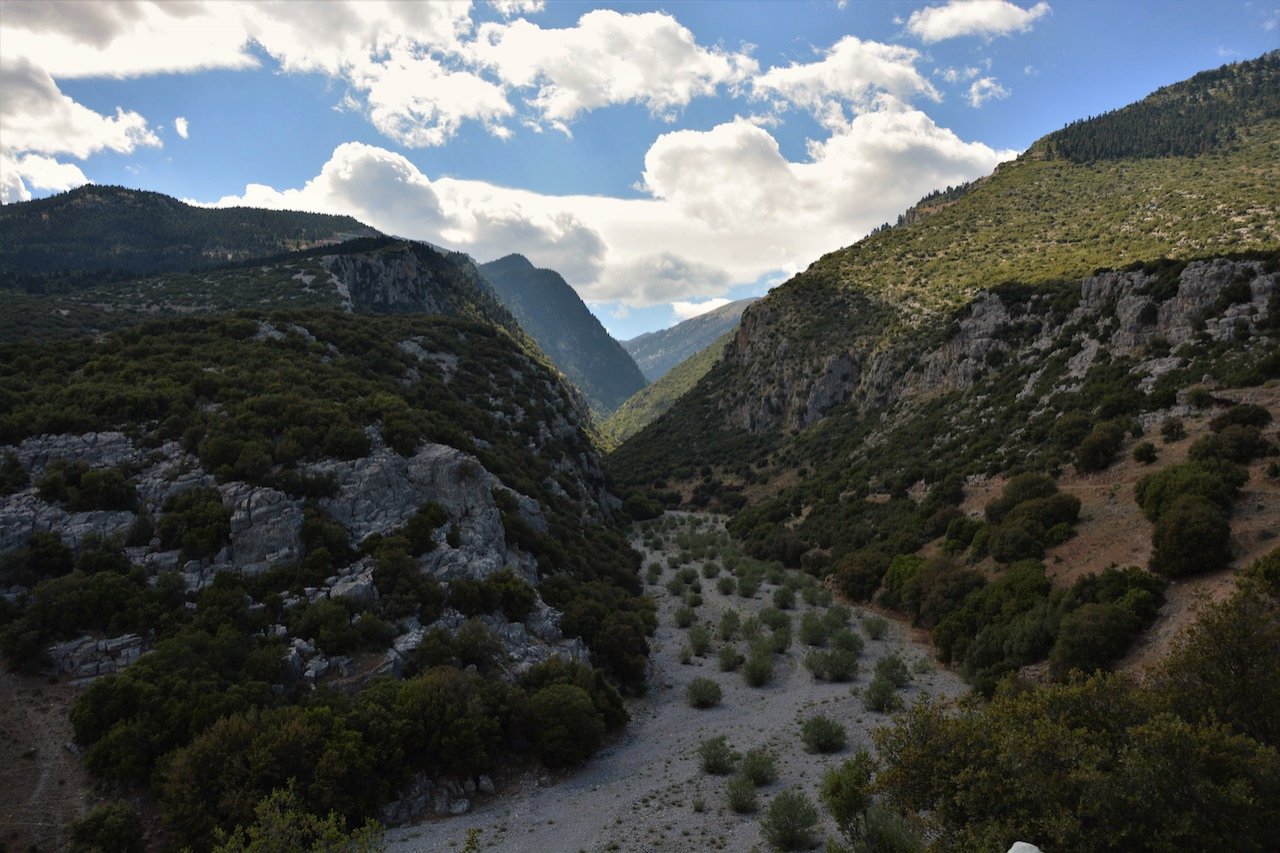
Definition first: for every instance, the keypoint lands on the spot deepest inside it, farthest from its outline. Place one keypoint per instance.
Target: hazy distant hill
(97, 229)
(554, 316)
(657, 352)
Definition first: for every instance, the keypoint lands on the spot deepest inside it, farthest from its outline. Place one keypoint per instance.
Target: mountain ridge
(659, 351)
(555, 316)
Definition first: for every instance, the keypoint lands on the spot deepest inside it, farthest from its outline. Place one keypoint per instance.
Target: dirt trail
(45, 786)
(647, 792)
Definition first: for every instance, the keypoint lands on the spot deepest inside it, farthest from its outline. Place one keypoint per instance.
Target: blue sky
(663, 157)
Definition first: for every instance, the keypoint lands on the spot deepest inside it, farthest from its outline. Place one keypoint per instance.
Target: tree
(281, 824)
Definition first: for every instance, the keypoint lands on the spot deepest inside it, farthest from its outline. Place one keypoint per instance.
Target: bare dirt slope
(45, 787)
(647, 791)
(1113, 531)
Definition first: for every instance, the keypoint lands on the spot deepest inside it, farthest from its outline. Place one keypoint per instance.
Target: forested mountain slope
(554, 316)
(647, 404)
(76, 237)
(342, 517)
(1050, 315)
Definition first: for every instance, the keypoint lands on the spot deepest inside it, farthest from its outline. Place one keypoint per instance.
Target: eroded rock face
(376, 494)
(778, 383)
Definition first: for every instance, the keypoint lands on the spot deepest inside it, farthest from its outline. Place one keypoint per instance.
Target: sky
(665, 158)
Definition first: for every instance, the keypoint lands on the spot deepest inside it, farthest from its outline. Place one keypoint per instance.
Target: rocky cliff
(658, 352)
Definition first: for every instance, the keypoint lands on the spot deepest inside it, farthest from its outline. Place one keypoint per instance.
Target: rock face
(375, 494)
(779, 384)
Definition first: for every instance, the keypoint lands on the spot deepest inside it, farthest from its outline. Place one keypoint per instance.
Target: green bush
(195, 521)
(729, 658)
(568, 729)
(774, 618)
(716, 756)
(881, 696)
(813, 630)
(784, 598)
(726, 585)
(699, 640)
(1245, 414)
(789, 821)
(1190, 538)
(1172, 430)
(685, 616)
(1144, 452)
(730, 621)
(1091, 637)
(875, 626)
(758, 766)
(892, 668)
(109, 828)
(1099, 448)
(703, 693)
(847, 793)
(758, 670)
(741, 794)
(837, 665)
(823, 735)
(13, 477)
(1216, 481)
(845, 639)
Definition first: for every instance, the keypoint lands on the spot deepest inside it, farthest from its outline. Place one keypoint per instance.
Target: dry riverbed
(646, 790)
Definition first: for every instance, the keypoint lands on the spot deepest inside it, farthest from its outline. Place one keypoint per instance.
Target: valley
(645, 790)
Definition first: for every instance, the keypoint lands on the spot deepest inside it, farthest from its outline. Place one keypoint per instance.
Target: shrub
(1216, 481)
(195, 521)
(703, 693)
(823, 734)
(1091, 637)
(836, 616)
(875, 626)
(699, 640)
(758, 670)
(1245, 414)
(813, 630)
(566, 725)
(847, 790)
(710, 569)
(1144, 452)
(775, 618)
(1172, 430)
(780, 640)
(1099, 448)
(789, 821)
(881, 696)
(109, 828)
(716, 756)
(758, 766)
(835, 665)
(729, 658)
(1023, 487)
(892, 668)
(784, 598)
(726, 584)
(1191, 537)
(741, 793)
(845, 639)
(685, 616)
(730, 621)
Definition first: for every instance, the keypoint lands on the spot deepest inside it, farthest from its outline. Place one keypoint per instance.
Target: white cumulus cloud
(689, 310)
(853, 72)
(607, 58)
(986, 89)
(38, 123)
(182, 127)
(973, 17)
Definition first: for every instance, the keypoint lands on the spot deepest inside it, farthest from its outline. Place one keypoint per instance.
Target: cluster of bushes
(1029, 516)
(1202, 731)
(204, 703)
(1189, 504)
(83, 488)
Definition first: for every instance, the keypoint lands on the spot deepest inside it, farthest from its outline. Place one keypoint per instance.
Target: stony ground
(646, 791)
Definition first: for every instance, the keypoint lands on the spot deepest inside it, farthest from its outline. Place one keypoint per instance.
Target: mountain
(317, 508)
(657, 352)
(54, 242)
(650, 402)
(878, 418)
(554, 316)
(363, 275)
